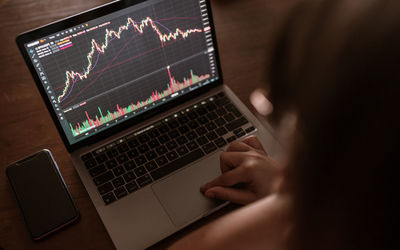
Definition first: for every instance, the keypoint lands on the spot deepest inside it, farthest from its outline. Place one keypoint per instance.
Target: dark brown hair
(337, 66)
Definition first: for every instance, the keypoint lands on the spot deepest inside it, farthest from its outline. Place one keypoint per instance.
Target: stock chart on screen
(100, 73)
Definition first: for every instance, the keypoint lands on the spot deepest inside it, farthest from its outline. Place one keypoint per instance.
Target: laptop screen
(105, 71)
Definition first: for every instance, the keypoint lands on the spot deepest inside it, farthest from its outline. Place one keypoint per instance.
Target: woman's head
(336, 65)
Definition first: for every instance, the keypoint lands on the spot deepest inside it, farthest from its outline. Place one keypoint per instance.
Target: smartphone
(41, 193)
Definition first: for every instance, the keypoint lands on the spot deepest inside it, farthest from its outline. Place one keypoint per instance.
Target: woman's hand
(248, 173)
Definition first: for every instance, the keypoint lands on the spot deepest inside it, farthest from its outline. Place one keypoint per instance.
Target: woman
(336, 67)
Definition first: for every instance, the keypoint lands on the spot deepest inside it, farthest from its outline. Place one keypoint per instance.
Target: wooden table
(245, 30)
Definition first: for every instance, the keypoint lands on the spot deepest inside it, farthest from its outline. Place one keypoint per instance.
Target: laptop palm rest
(180, 194)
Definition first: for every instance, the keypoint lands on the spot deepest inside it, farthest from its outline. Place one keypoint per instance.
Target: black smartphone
(41, 193)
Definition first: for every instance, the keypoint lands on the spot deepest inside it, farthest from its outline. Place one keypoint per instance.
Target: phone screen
(41, 194)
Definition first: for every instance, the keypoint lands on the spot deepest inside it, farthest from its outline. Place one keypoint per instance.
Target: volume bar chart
(101, 119)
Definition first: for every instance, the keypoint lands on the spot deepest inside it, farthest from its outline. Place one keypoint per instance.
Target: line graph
(107, 67)
(72, 76)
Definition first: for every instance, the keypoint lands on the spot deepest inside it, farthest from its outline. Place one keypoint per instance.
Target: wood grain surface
(245, 33)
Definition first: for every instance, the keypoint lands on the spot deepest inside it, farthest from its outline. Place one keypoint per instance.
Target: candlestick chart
(72, 76)
(124, 64)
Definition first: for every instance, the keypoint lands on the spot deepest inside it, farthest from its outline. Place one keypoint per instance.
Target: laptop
(135, 90)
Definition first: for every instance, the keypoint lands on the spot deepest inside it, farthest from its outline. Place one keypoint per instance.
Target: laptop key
(130, 176)
(105, 188)
(163, 138)
(140, 171)
(97, 170)
(101, 158)
(202, 120)
(153, 133)
(211, 106)
(98, 151)
(143, 148)
(202, 140)
(183, 129)
(140, 160)
(90, 163)
(131, 187)
(133, 143)
(133, 153)
(161, 161)
(182, 150)
(181, 140)
(151, 155)
(212, 136)
(239, 132)
(220, 142)
(129, 165)
(220, 122)
(150, 166)
(229, 117)
(201, 111)
(101, 179)
(171, 145)
(144, 180)
(173, 134)
(172, 155)
(120, 192)
(153, 143)
(210, 126)
(183, 119)
(191, 135)
(118, 170)
(122, 158)
(177, 164)
(250, 129)
(209, 147)
(192, 115)
(192, 145)
(212, 115)
(221, 111)
(112, 153)
(118, 182)
(86, 157)
(163, 129)
(201, 130)
(231, 139)
(161, 150)
(111, 164)
(193, 124)
(122, 148)
(109, 198)
(222, 101)
(143, 138)
(221, 131)
(173, 124)
(236, 123)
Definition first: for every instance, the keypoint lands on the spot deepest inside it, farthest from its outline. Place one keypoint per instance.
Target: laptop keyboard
(136, 160)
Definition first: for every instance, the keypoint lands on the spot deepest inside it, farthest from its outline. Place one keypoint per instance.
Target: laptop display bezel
(86, 16)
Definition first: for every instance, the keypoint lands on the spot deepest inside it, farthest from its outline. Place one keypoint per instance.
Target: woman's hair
(337, 66)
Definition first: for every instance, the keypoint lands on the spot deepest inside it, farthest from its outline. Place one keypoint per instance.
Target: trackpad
(180, 194)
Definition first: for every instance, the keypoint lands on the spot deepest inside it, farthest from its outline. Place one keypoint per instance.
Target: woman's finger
(253, 142)
(230, 160)
(227, 179)
(238, 146)
(239, 196)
